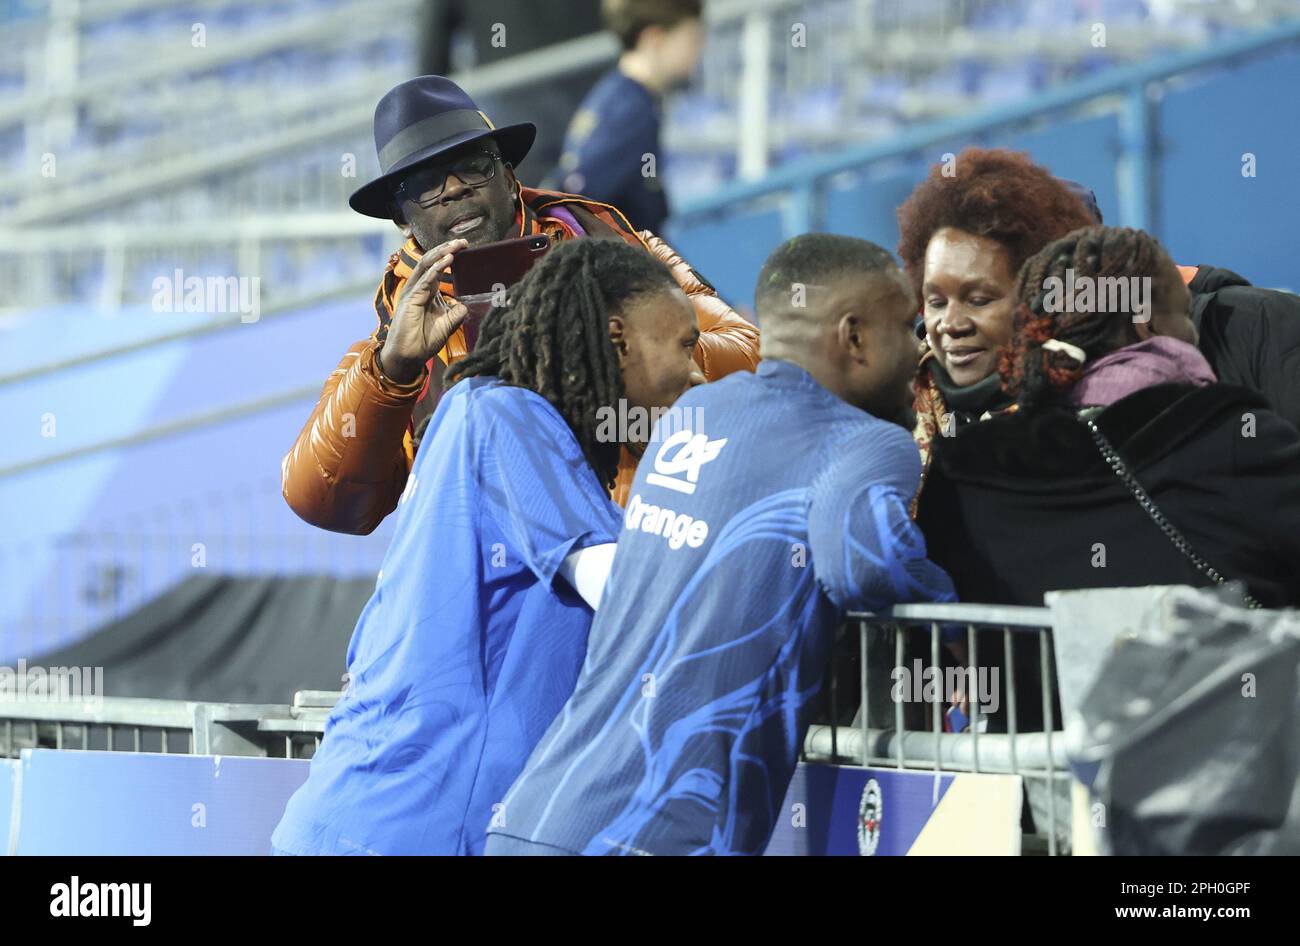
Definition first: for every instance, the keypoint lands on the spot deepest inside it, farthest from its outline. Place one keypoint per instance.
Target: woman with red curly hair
(1125, 462)
(965, 232)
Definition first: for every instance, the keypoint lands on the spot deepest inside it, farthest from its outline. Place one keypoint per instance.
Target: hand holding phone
(422, 319)
(481, 276)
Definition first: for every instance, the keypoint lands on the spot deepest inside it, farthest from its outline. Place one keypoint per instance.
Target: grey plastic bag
(1190, 738)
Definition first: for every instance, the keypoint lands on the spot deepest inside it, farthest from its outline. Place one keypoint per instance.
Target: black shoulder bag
(1116, 463)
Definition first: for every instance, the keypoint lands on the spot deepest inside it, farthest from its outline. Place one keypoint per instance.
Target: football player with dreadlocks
(470, 644)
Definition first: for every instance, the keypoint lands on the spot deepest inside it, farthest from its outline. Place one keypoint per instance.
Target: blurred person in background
(748, 536)
(447, 182)
(964, 234)
(498, 30)
(1036, 500)
(474, 635)
(613, 150)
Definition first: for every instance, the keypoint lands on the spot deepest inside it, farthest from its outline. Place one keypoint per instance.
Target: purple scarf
(1158, 360)
(560, 213)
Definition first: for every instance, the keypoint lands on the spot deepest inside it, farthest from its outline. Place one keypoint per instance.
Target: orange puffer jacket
(349, 465)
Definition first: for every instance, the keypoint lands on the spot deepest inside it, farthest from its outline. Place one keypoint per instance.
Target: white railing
(37, 264)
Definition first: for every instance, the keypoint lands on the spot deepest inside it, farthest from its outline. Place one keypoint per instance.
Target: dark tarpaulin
(1192, 743)
(228, 640)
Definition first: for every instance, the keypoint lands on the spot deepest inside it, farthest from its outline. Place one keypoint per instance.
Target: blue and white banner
(106, 803)
(847, 810)
(8, 788)
(96, 803)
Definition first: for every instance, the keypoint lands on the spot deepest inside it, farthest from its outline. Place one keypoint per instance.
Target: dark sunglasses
(426, 185)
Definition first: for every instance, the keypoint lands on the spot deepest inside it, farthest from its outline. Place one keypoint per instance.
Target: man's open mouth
(463, 225)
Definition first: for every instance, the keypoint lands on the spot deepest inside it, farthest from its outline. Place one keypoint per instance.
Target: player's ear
(618, 336)
(852, 336)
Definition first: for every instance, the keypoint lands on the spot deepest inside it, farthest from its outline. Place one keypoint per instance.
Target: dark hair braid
(552, 335)
(1033, 375)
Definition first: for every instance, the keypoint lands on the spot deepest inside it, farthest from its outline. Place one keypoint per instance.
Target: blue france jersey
(749, 532)
(469, 645)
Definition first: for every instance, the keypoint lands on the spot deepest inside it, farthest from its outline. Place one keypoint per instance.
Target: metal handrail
(270, 312)
(104, 711)
(1039, 757)
(952, 752)
(800, 175)
(102, 10)
(348, 21)
(352, 118)
(213, 728)
(1002, 615)
(250, 111)
(98, 236)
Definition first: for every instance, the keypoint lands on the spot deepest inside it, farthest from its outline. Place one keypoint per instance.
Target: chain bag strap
(1116, 463)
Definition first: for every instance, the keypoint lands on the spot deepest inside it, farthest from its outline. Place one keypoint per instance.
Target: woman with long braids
(1126, 463)
(478, 624)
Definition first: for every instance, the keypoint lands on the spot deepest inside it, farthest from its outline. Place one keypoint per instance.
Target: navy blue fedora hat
(421, 119)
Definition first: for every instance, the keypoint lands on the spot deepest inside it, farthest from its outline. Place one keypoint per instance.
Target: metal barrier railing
(883, 726)
(908, 728)
(128, 724)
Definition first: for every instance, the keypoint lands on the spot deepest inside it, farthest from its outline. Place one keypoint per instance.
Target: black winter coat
(1250, 336)
(1023, 503)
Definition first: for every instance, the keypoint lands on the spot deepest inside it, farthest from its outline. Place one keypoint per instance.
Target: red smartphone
(480, 273)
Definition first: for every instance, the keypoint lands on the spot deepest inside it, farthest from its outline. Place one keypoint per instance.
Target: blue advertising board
(846, 810)
(101, 803)
(106, 803)
(8, 789)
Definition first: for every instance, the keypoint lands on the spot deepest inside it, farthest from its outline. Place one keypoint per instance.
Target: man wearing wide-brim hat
(448, 181)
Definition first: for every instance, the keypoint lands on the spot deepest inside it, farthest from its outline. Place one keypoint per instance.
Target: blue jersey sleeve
(868, 554)
(536, 483)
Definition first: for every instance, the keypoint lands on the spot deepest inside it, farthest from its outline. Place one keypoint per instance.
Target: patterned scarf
(933, 417)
